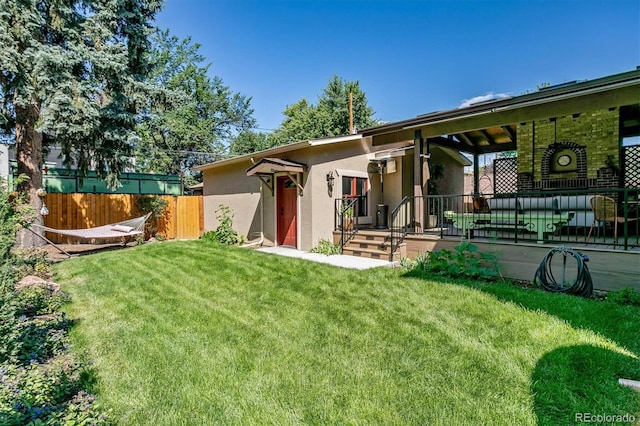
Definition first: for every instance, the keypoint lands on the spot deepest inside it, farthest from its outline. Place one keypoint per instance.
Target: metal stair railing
(346, 214)
(402, 218)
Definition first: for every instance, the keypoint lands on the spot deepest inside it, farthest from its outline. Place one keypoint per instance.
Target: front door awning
(268, 167)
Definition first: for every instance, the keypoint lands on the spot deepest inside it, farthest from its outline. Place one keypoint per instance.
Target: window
(356, 187)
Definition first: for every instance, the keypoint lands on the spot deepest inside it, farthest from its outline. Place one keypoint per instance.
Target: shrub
(209, 236)
(224, 233)
(464, 262)
(48, 393)
(39, 300)
(42, 337)
(10, 218)
(155, 205)
(32, 262)
(407, 263)
(326, 247)
(626, 296)
(40, 383)
(9, 334)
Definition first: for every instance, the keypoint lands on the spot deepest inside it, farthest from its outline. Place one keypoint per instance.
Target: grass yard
(199, 333)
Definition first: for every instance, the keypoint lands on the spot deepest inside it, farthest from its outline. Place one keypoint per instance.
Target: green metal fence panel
(56, 180)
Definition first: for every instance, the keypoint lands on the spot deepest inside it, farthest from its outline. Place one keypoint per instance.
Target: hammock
(120, 229)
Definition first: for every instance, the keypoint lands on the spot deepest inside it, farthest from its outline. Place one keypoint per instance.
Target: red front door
(287, 212)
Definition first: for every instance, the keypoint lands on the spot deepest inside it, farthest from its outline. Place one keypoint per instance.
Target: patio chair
(605, 209)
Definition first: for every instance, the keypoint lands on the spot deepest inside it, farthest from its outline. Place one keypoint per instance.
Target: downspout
(261, 240)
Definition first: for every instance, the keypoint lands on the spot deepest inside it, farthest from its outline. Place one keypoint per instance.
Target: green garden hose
(582, 286)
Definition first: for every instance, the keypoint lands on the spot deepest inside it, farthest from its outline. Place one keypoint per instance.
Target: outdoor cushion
(504, 204)
(580, 205)
(122, 228)
(574, 202)
(538, 203)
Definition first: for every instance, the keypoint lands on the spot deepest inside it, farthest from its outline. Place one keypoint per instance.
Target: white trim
(254, 157)
(338, 139)
(391, 153)
(368, 219)
(352, 173)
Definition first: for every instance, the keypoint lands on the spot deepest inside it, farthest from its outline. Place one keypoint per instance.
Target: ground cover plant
(41, 382)
(326, 247)
(202, 333)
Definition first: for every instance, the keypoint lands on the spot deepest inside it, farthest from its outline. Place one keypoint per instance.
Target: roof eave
(542, 96)
(278, 150)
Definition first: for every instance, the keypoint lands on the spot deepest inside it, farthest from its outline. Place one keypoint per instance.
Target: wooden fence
(183, 218)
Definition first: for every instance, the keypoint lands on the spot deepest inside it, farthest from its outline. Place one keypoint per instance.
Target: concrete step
(369, 234)
(366, 252)
(373, 235)
(363, 243)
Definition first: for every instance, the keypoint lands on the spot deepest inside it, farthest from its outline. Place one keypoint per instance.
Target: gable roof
(278, 151)
(275, 165)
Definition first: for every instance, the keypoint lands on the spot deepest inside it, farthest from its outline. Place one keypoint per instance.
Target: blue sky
(410, 57)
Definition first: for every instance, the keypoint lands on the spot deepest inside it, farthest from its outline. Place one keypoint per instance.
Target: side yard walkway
(340, 260)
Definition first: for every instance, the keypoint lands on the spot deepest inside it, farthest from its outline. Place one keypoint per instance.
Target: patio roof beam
(510, 132)
(488, 137)
(499, 147)
(463, 136)
(451, 143)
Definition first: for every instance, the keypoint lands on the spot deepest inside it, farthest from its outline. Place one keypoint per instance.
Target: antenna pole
(350, 113)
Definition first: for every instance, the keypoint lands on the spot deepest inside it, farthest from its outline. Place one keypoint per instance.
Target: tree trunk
(29, 158)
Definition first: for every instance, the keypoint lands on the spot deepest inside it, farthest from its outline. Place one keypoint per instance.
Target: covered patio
(561, 167)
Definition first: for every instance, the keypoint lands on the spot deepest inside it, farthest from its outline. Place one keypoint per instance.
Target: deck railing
(562, 217)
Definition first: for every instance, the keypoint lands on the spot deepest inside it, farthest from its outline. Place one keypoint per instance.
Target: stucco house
(288, 195)
(561, 148)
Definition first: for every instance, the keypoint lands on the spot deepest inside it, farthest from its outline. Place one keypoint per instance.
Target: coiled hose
(582, 286)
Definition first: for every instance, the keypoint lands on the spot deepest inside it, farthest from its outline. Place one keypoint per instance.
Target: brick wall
(596, 131)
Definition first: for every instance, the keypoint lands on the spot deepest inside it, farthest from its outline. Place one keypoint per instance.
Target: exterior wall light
(330, 180)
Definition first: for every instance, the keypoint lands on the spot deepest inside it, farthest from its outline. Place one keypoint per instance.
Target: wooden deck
(611, 267)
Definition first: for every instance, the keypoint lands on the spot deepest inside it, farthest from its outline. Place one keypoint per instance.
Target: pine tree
(72, 72)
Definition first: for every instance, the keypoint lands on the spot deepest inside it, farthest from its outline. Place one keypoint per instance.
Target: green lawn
(198, 333)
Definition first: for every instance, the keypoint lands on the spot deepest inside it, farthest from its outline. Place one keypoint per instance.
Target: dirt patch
(75, 250)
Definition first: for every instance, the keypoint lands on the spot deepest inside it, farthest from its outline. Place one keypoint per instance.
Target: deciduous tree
(199, 127)
(330, 117)
(248, 142)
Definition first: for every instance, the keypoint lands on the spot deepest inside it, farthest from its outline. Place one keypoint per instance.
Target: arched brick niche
(575, 156)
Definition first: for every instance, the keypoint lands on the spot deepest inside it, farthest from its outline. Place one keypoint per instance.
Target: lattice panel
(631, 158)
(505, 175)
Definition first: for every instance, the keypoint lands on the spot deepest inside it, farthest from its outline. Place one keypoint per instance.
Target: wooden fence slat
(184, 218)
